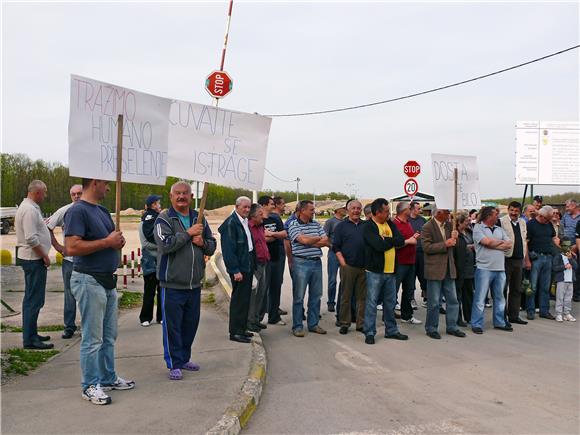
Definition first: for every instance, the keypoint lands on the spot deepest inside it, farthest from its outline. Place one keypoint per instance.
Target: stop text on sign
(411, 168)
(218, 84)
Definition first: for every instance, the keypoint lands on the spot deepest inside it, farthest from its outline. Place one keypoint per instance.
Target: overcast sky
(296, 57)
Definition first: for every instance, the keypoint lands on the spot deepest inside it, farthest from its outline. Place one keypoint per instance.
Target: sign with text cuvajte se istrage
(468, 195)
(94, 108)
(217, 145)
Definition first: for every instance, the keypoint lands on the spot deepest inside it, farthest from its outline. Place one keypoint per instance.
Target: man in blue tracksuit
(181, 246)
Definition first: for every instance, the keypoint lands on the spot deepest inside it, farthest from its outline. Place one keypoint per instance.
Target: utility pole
(297, 189)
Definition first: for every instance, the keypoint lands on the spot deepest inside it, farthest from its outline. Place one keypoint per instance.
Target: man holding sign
(182, 243)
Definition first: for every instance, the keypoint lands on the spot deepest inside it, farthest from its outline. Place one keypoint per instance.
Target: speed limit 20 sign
(411, 187)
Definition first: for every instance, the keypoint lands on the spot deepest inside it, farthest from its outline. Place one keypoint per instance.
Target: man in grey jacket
(182, 244)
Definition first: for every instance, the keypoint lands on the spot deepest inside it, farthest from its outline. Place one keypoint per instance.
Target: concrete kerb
(241, 409)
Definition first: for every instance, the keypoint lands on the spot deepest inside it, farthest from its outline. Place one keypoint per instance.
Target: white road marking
(442, 427)
(356, 360)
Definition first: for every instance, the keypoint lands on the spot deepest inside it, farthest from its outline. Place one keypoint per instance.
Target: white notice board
(547, 152)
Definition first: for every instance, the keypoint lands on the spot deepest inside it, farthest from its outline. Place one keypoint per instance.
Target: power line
(280, 179)
(376, 103)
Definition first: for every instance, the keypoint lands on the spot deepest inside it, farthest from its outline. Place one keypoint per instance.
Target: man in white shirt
(33, 243)
(57, 220)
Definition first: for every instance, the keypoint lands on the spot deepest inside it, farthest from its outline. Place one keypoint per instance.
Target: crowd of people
(461, 265)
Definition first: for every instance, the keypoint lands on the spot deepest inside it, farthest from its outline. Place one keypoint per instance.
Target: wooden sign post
(119, 172)
(454, 217)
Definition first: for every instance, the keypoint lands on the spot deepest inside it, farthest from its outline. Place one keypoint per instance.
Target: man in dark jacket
(149, 261)
(238, 253)
(181, 246)
(381, 237)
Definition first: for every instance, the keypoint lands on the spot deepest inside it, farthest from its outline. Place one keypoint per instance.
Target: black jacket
(148, 220)
(375, 245)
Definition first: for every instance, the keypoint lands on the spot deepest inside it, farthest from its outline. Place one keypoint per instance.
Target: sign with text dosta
(468, 195)
(94, 110)
(217, 145)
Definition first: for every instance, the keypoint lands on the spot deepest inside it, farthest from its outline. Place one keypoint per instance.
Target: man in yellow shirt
(381, 237)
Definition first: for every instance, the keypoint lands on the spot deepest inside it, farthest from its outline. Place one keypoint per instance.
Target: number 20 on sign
(411, 187)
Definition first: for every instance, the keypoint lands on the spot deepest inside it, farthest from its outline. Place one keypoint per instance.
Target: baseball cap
(538, 198)
(152, 199)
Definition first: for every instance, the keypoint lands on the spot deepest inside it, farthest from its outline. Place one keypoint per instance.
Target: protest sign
(468, 195)
(217, 145)
(94, 110)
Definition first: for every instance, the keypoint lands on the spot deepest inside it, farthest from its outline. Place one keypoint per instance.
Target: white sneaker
(145, 323)
(488, 305)
(120, 384)
(559, 318)
(95, 394)
(398, 307)
(279, 322)
(380, 307)
(569, 318)
(413, 321)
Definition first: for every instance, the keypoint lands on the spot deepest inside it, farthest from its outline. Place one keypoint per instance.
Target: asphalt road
(499, 382)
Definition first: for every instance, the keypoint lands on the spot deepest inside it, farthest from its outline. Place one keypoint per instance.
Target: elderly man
(33, 243)
(541, 240)
(332, 262)
(349, 248)
(239, 259)
(530, 213)
(491, 242)
(149, 262)
(406, 262)
(438, 242)
(91, 238)
(381, 237)
(182, 243)
(256, 224)
(306, 237)
(57, 220)
(515, 228)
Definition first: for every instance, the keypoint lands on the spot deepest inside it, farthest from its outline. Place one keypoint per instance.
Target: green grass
(130, 300)
(46, 328)
(21, 361)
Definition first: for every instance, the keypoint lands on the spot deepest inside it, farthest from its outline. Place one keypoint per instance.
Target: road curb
(238, 413)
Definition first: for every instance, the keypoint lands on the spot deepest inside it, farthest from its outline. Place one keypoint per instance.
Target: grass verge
(45, 328)
(130, 300)
(21, 361)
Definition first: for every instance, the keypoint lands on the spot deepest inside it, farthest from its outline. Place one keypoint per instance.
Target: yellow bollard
(59, 258)
(5, 257)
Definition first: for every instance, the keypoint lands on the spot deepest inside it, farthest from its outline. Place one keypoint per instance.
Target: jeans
(98, 308)
(485, 280)
(332, 269)
(70, 305)
(381, 284)
(34, 292)
(435, 289)
(540, 280)
(406, 278)
(181, 310)
(258, 294)
(306, 273)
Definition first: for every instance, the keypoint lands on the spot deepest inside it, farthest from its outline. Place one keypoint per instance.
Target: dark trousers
(34, 292)
(576, 294)
(464, 289)
(240, 303)
(150, 288)
(275, 288)
(353, 280)
(353, 303)
(513, 288)
(420, 272)
(406, 278)
(181, 309)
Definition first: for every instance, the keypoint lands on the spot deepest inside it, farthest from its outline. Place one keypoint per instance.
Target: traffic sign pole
(200, 216)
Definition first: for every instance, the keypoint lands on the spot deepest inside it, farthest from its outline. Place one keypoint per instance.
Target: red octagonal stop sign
(219, 84)
(412, 168)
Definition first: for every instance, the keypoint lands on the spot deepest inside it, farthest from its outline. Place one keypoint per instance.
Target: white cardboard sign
(217, 145)
(468, 195)
(94, 108)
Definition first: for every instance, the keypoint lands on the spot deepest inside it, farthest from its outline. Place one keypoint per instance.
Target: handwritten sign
(94, 108)
(468, 195)
(217, 145)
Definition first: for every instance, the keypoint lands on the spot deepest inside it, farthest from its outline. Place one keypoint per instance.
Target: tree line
(18, 170)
